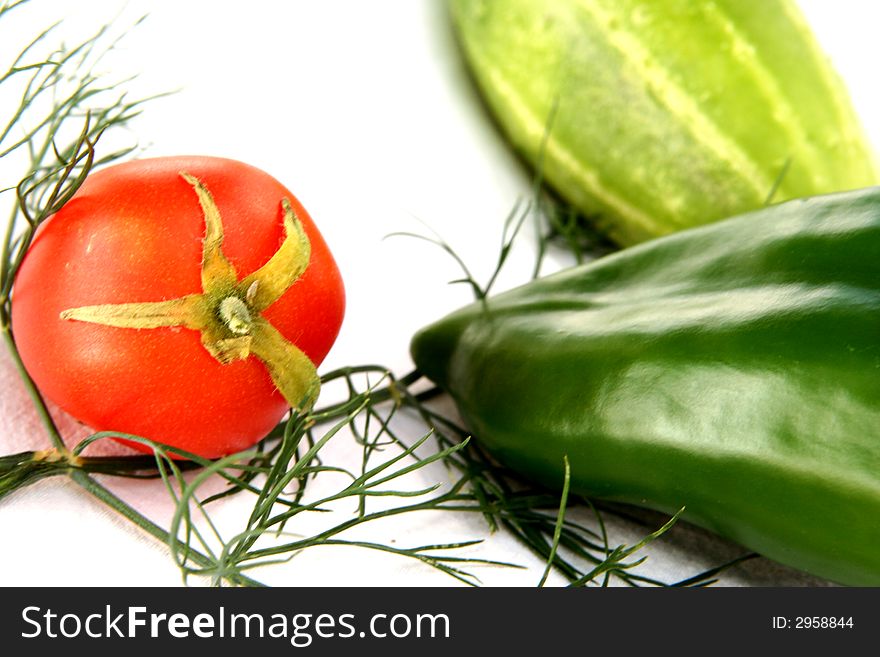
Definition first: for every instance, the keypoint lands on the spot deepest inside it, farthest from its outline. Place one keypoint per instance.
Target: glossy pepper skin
(733, 369)
(665, 114)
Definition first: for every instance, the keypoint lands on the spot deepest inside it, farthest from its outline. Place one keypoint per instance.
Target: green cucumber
(667, 114)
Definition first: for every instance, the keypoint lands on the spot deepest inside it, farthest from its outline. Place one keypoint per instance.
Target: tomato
(135, 243)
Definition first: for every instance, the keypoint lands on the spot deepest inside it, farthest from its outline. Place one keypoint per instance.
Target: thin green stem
(560, 520)
(31, 388)
(91, 486)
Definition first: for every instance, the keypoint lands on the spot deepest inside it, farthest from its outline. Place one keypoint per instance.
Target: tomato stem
(227, 312)
(235, 314)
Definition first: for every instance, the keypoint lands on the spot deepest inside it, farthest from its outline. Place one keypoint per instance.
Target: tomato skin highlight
(134, 233)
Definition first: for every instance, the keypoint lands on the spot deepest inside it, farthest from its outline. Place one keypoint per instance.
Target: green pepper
(665, 114)
(731, 369)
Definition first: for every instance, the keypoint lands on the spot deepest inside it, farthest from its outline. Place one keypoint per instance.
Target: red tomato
(134, 233)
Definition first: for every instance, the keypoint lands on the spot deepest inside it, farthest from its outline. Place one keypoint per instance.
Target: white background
(364, 110)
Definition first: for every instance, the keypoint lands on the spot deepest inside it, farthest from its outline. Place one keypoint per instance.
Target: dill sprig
(275, 474)
(58, 91)
(64, 109)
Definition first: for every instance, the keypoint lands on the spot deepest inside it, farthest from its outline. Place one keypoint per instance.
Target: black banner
(433, 621)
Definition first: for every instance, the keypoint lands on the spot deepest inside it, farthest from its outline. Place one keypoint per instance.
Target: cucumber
(663, 115)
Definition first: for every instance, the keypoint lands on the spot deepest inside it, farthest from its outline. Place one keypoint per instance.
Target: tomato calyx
(227, 312)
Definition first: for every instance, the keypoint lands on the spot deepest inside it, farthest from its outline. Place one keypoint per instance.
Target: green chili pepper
(732, 369)
(665, 114)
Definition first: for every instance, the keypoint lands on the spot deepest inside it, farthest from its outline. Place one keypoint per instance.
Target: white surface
(363, 110)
